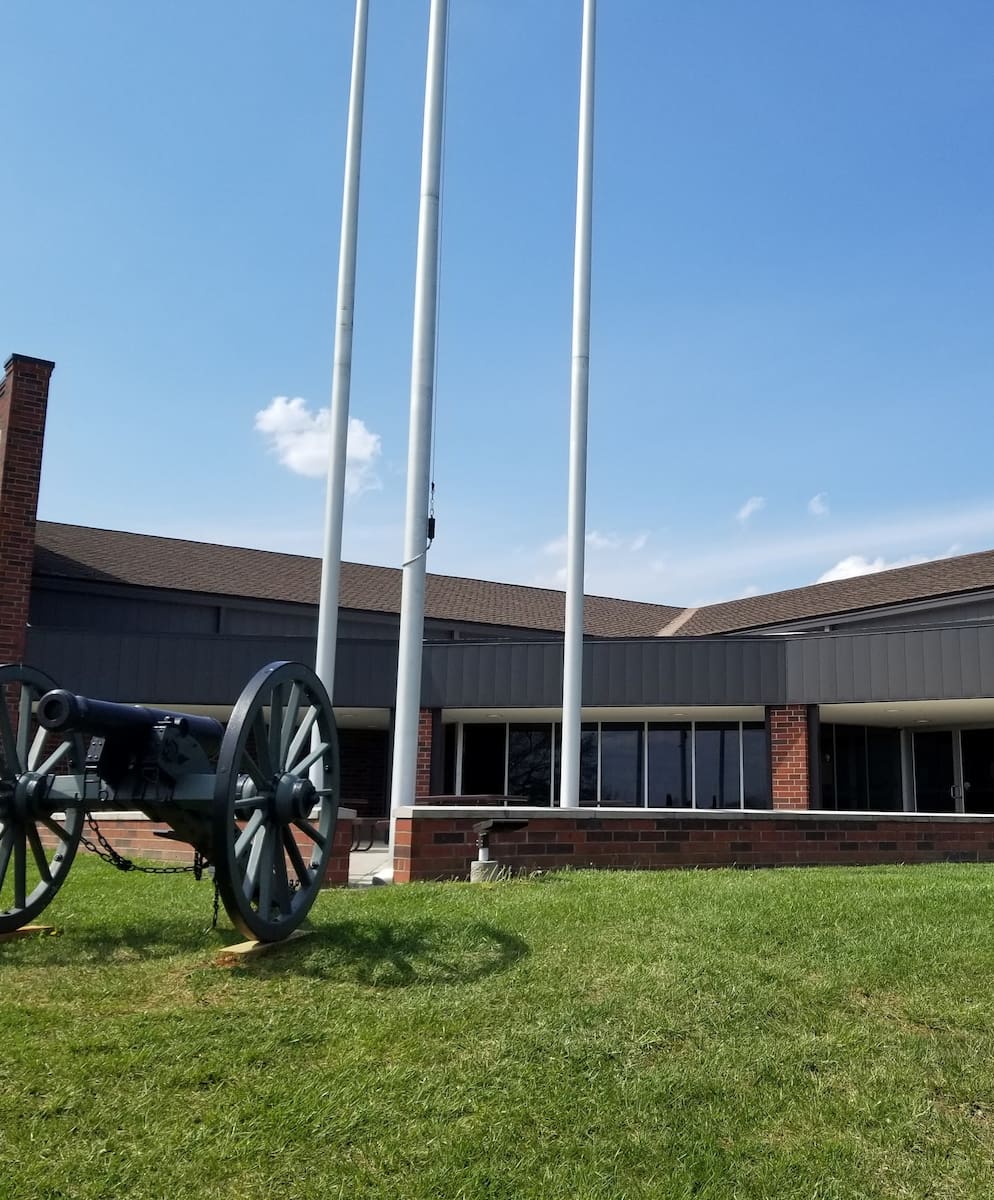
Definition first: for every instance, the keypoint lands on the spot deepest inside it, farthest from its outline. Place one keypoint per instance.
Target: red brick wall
(23, 404)
(135, 838)
(789, 756)
(422, 783)
(443, 847)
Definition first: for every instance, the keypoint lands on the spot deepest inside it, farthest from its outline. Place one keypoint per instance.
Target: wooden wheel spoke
(23, 725)
(266, 873)
(296, 858)
(300, 737)
(247, 835)
(20, 869)
(53, 760)
(289, 721)
(6, 846)
(281, 882)
(36, 748)
(38, 850)
(319, 751)
(250, 884)
(53, 826)
(7, 744)
(253, 770)
(275, 728)
(312, 832)
(262, 747)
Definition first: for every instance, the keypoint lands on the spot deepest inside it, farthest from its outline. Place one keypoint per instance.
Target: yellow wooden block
(231, 956)
(26, 931)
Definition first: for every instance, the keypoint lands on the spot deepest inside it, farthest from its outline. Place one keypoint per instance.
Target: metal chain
(107, 852)
(109, 855)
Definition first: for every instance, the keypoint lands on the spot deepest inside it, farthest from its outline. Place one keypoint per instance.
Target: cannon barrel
(61, 712)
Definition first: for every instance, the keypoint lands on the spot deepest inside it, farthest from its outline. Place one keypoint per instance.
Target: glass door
(978, 770)
(936, 788)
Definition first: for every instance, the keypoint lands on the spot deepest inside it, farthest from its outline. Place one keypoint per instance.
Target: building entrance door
(936, 786)
(978, 770)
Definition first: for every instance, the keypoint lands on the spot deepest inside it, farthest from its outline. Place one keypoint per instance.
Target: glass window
(483, 760)
(850, 767)
(621, 766)
(529, 762)
(883, 769)
(668, 749)
(588, 765)
(826, 765)
(716, 766)
(755, 767)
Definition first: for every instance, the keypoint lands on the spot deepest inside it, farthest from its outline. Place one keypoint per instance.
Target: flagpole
(341, 381)
(569, 796)
(412, 606)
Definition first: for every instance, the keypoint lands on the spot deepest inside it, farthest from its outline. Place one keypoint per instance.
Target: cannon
(256, 799)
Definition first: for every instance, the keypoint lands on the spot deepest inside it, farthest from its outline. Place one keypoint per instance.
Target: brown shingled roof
(901, 585)
(144, 560)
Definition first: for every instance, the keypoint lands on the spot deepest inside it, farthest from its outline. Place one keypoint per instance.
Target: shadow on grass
(85, 944)
(395, 954)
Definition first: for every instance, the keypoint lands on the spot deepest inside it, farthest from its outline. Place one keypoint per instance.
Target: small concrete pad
(231, 956)
(27, 931)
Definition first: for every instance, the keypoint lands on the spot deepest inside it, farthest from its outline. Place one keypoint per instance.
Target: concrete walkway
(363, 865)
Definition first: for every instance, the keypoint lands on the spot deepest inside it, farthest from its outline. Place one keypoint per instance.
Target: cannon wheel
(269, 850)
(36, 850)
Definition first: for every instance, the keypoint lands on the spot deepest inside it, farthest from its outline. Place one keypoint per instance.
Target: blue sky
(793, 281)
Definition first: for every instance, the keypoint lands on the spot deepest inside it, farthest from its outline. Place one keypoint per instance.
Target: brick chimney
(23, 403)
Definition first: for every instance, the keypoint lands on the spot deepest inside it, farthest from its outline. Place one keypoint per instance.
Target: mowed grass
(816, 1033)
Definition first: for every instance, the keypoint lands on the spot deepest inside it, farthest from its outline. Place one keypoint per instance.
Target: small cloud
(556, 547)
(299, 437)
(751, 590)
(639, 543)
(603, 541)
(818, 505)
(751, 506)
(857, 564)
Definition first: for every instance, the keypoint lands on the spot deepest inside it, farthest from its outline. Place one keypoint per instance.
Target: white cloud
(818, 505)
(639, 542)
(751, 506)
(299, 438)
(599, 543)
(746, 592)
(857, 564)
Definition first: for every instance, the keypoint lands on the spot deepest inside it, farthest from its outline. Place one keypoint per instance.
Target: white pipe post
(341, 380)
(412, 604)
(569, 795)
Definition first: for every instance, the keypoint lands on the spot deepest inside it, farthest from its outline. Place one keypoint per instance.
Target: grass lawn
(814, 1033)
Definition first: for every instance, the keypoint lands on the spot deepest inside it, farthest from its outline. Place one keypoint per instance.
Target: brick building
(872, 695)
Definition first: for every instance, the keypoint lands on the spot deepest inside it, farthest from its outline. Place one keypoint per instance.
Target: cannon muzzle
(62, 712)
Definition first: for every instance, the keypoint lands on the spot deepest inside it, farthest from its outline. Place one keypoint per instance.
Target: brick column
(422, 784)
(23, 404)
(790, 777)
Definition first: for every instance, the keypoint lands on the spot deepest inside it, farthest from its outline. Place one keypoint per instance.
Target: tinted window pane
(755, 767)
(529, 762)
(850, 767)
(588, 765)
(883, 768)
(483, 760)
(451, 734)
(716, 764)
(621, 766)
(669, 766)
(826, 765)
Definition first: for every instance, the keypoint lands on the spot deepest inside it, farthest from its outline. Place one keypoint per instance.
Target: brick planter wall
(134, 836)
(440, 843)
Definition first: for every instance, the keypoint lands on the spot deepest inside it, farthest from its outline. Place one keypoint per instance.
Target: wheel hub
(30, 792)
(293, 798)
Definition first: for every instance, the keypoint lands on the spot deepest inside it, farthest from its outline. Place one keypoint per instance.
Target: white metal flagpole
(412, 606)
(577, 511)
(341, 382)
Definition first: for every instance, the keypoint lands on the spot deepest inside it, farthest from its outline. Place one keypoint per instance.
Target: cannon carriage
(257, 799)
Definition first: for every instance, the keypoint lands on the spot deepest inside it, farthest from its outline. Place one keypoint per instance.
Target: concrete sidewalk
(363, 865)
